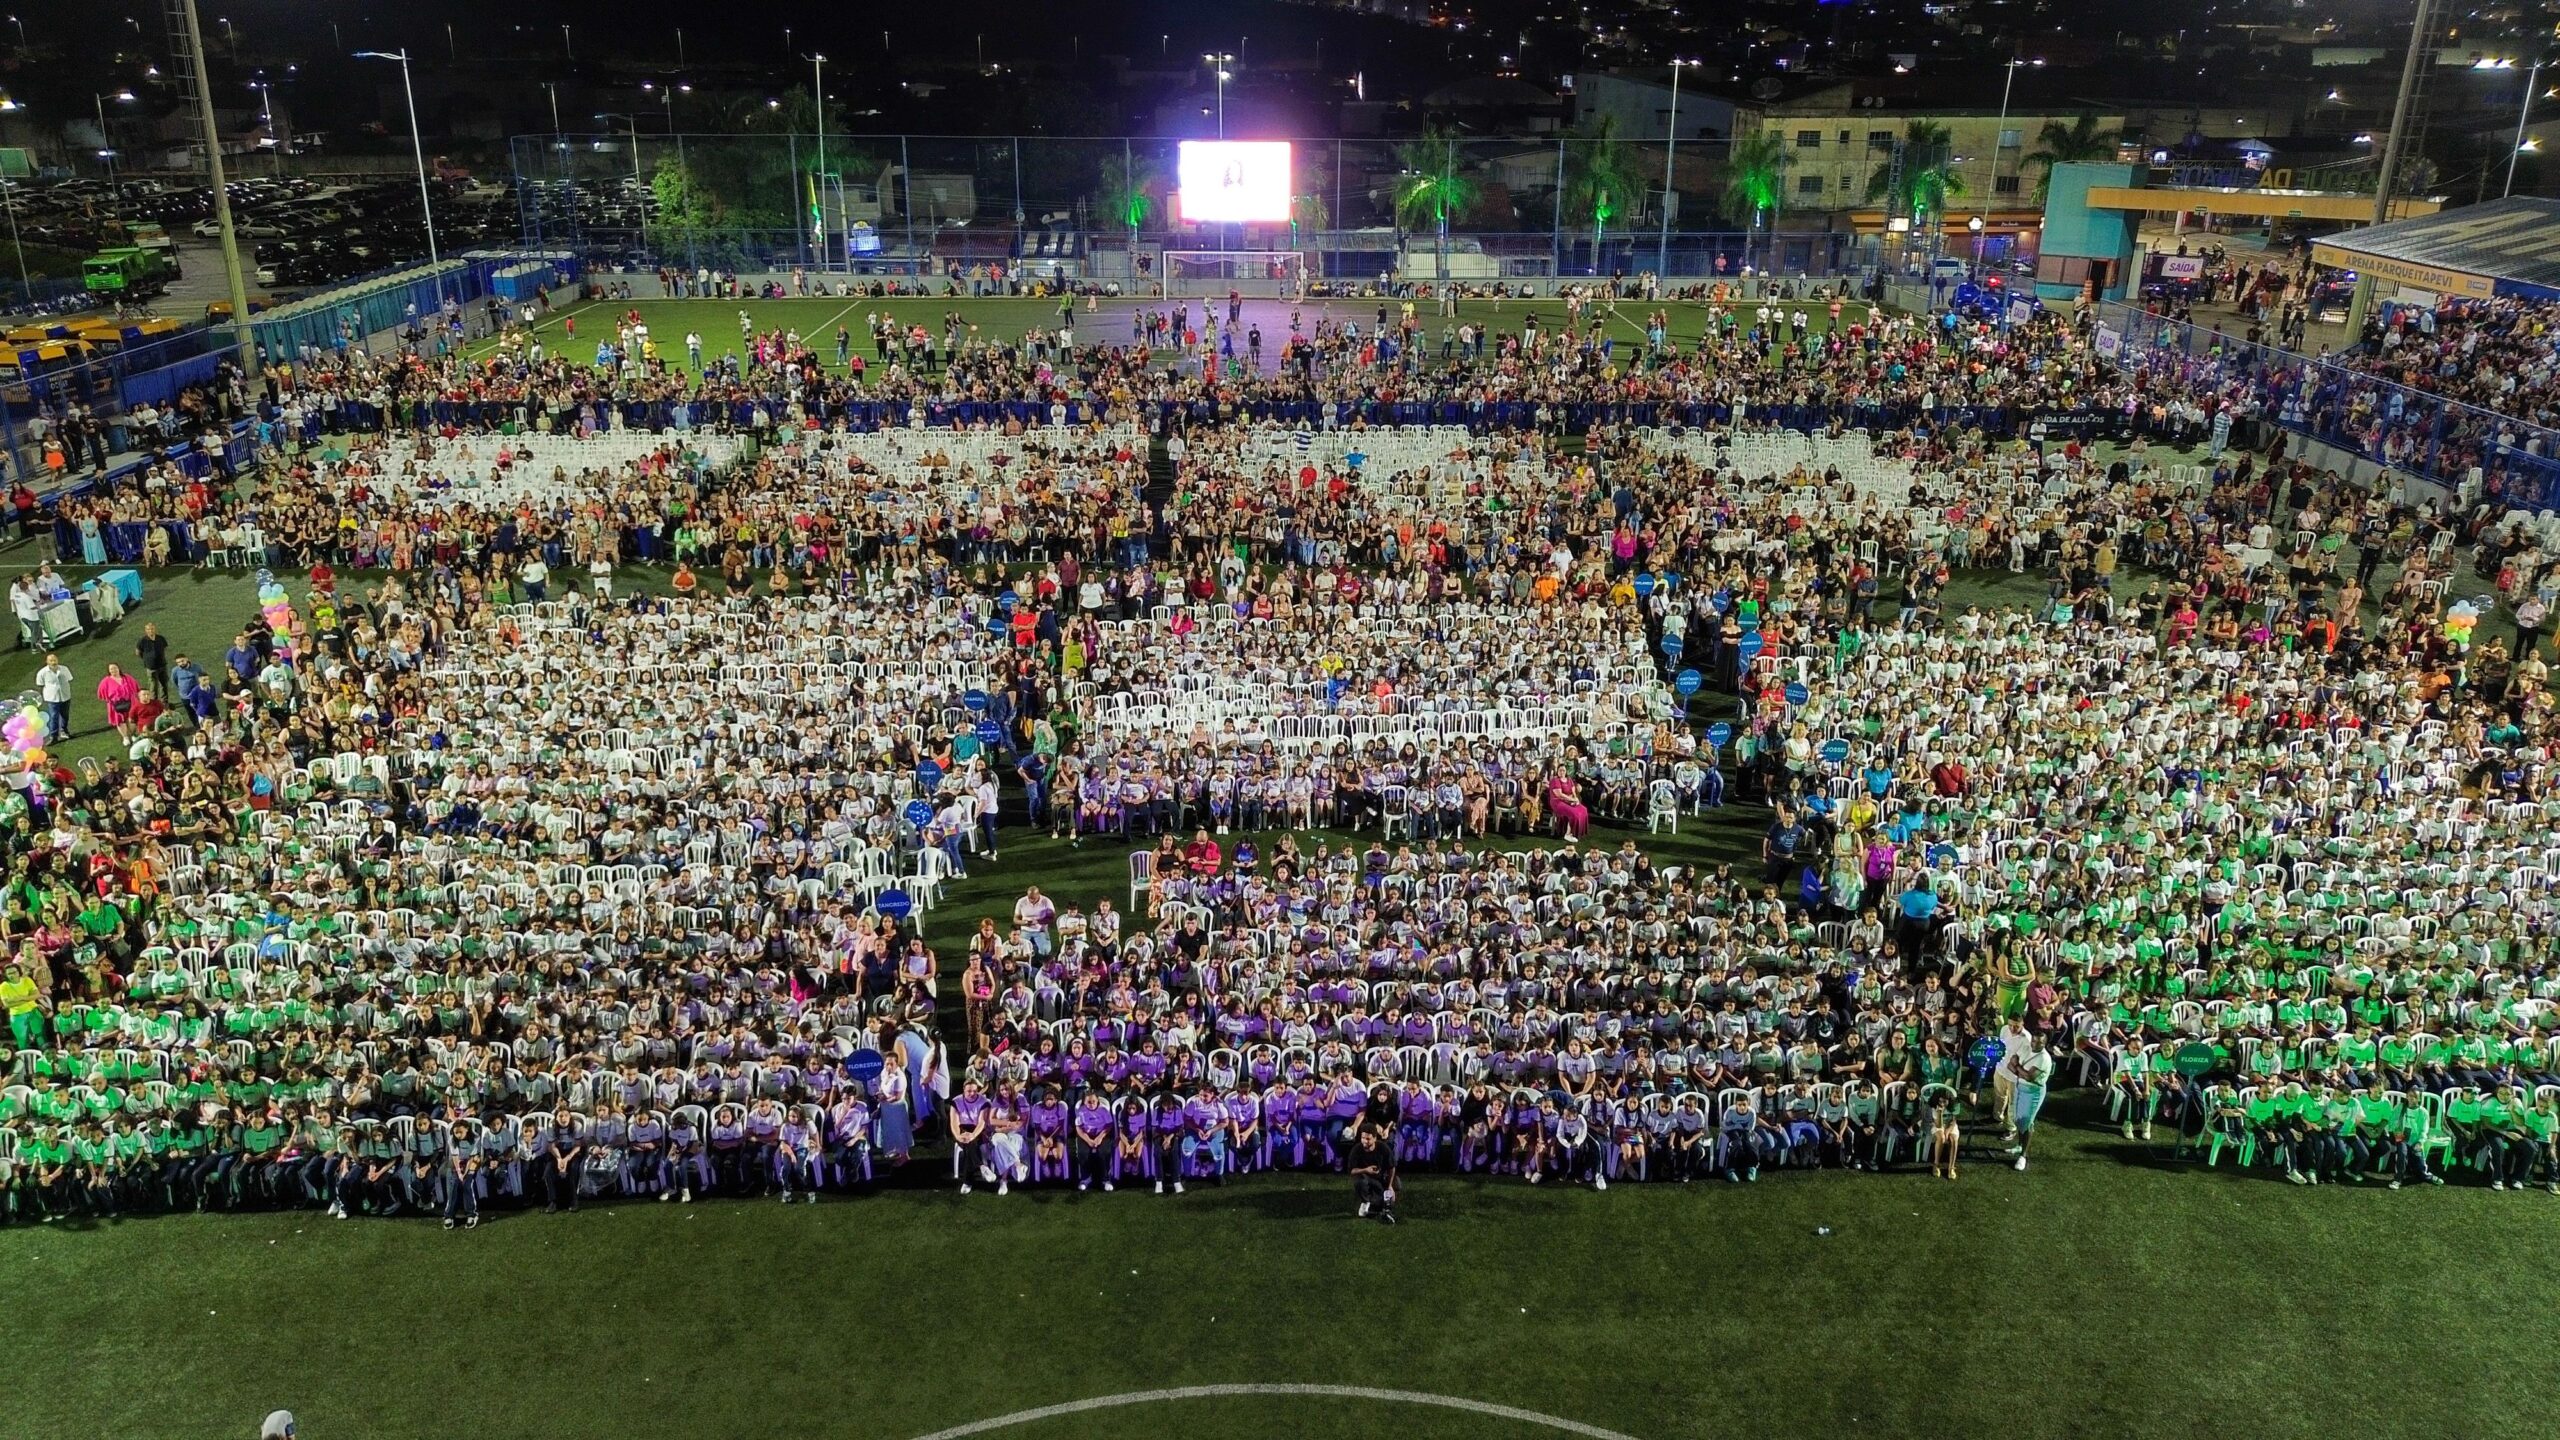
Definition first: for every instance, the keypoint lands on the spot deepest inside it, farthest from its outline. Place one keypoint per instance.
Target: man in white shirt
(2028, 1072)
(53, 687)
(28, 606)
(983, 789)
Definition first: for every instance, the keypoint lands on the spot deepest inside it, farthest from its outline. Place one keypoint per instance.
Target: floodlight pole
(2532, 78)
(221, 195)
(418, 151)
(826, 247)
(1670, 139)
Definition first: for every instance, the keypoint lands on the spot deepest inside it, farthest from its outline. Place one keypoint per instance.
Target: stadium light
(2522, 146)
(1221, 60)
(418, 151)
(106, 143)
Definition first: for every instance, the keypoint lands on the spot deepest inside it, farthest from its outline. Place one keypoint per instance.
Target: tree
(1308, 213)
(2060, 144)
(1434, 184)
(689, 218)
(1601, 179)
(683, 204)
(1929, 175)
(1755, 182)
(754, 175)
(1127, 190)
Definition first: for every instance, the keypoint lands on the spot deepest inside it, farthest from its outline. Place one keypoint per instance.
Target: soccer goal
(1267, 274)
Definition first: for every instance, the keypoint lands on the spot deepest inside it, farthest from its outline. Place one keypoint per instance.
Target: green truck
(130, 273)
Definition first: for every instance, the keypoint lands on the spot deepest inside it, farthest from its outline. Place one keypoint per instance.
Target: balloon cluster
(24, 735)
(277, 610)
(2458, 622)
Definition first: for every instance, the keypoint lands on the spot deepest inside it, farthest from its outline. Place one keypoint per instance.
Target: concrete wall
(2074, 231)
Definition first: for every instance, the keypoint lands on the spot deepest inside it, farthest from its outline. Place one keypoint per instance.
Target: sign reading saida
(2423, 277)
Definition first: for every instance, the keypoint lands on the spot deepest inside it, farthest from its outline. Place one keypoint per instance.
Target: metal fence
(1105, 208)
(2427, 435)
(115, 385)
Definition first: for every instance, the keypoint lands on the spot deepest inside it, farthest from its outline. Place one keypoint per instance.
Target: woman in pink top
(119, 691)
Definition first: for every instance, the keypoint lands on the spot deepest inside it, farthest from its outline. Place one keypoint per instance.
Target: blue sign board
(990, 733)
(1751, 644)
(928, 774)
(1796, 693)
(919, 814)
(1687, 682)
(1719, 734)
(1835, 751)
(896, 904)
(975, 700)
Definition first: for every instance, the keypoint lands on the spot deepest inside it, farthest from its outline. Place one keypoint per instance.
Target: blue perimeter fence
(2391, 424)
(116, 384)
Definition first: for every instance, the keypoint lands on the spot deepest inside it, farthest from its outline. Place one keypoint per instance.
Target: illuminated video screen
(1235, 181)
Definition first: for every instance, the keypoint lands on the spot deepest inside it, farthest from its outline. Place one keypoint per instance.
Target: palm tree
(1434, 184)
(1127, 190)
(1602, 179)
(1754, 182)
(2060, 144)
(1929, 175)
(1308, 213)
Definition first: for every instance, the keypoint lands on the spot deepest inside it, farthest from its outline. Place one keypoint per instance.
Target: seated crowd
(451, 892)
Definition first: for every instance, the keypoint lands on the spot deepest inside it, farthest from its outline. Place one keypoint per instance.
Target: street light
(1670, 138)
(1221, 60)
(667, 97)
(417, 149)
(1975, 225)
(106, 142)
(2532, 78)
(267, 117)
(2003, 127)
(636, 177)
(825, 246)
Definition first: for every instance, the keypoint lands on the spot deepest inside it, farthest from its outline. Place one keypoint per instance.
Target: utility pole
(1670, 141)
(2386, 178)
(221, 195)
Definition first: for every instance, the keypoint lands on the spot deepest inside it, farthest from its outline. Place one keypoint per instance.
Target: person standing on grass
(2029, 1071)
(27, 603)
(118, 692)
(53, 687)
(1373, 1172)
(152, 651)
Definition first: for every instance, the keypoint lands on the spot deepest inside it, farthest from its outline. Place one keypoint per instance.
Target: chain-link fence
(1472, 211)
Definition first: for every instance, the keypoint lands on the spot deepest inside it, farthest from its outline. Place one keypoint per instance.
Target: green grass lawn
(2109, 1291)
(2100, 1294)
(1008, 318)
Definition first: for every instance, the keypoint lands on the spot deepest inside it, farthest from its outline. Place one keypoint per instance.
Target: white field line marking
(1340, 1392)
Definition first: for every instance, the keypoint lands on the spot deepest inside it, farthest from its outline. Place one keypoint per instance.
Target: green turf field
(2109, 1291)
(1005, 318)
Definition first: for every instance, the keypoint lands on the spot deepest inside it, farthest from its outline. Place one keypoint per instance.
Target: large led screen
(1235, 181)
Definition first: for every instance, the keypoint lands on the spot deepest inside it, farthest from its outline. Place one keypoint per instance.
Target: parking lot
(297, 234)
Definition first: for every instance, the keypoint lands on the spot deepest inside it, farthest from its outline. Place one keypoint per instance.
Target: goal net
(1267, 274)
